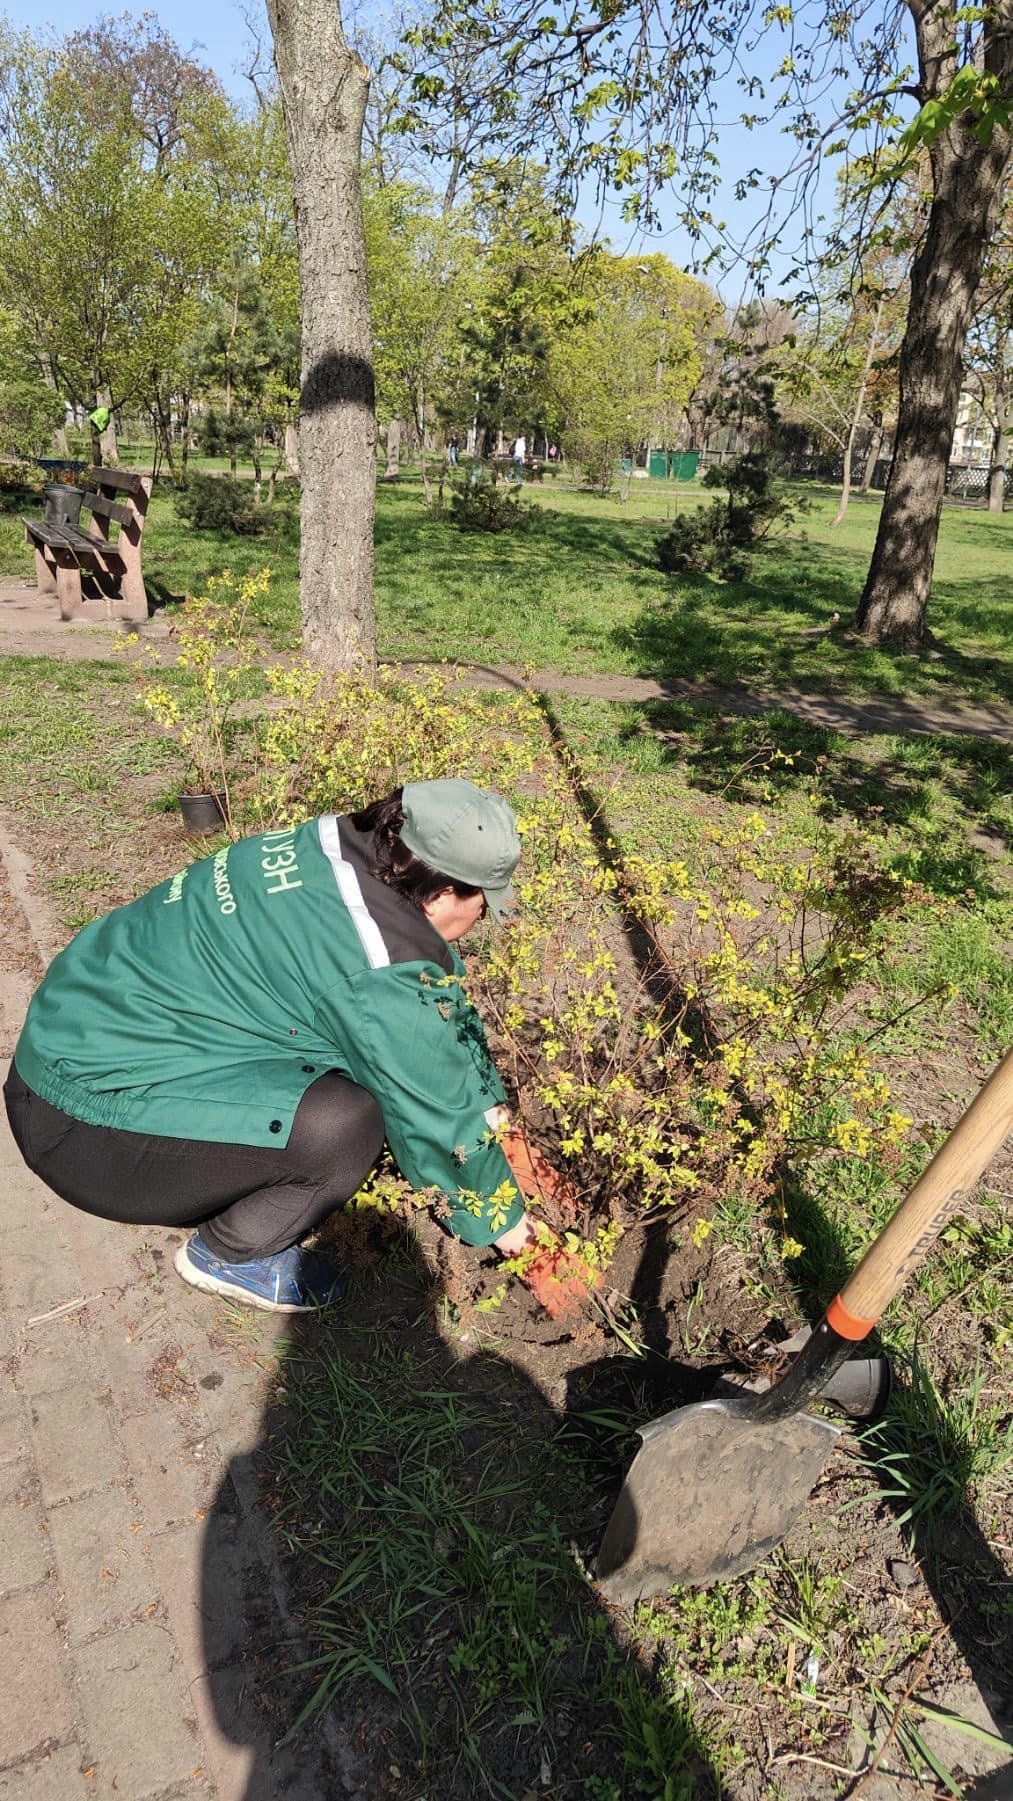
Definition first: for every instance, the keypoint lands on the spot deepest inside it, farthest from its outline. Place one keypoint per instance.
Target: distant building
(972, 436)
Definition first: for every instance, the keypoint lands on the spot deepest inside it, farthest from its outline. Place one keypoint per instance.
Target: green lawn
(428, 1495)
(580, 592)
(441, 1454)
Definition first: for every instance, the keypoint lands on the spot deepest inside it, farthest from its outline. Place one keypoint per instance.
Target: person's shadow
(406, 1549)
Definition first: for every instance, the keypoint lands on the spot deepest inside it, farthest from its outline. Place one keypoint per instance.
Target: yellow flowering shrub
(674, 1030)
(333, 742)
(679, 1036)
(214, 657)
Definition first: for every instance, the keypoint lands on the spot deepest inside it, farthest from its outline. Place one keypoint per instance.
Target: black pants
(247, 1200)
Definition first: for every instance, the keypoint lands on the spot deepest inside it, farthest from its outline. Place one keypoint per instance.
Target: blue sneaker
(292, 1281)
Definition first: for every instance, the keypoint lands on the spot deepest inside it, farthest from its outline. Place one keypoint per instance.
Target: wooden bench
(65, 553)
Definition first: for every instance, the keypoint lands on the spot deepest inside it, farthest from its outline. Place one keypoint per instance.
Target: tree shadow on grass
(778, 626)
(406, 523)
(881, 783)
(428, 1504)
(971, 1589)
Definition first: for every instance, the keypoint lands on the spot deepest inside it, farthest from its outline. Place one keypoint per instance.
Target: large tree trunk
(324, 85)
(966, 202)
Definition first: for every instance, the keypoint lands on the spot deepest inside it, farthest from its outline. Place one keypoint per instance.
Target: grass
(446, 1581)
(461, 1610)
(935, 1453)
(581, 593)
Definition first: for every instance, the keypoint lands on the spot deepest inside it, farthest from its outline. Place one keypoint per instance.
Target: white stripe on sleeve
(370, 936)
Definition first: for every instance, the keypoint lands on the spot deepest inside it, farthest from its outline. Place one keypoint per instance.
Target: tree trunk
(856, 417)
(108, 447)
(872, 457)
(291, 450)
(1000, 450)
(184, 432)
(163, 417)
(420, 427)
(60, 444)
(393, 470)
(324, 85)
(966, 202)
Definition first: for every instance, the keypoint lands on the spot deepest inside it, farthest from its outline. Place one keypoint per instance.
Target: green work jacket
(205, 1009)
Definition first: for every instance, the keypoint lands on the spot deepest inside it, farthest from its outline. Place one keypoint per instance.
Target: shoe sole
(230, 1291)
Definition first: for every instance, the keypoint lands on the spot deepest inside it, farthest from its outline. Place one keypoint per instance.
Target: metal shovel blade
(711, 1492)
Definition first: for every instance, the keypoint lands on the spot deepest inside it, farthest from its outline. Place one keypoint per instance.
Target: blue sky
(217, 33)
(215, 26)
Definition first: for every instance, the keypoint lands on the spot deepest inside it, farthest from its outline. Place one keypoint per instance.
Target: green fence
(673, 465)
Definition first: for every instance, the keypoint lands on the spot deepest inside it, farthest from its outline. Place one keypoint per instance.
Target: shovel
(716, 1486)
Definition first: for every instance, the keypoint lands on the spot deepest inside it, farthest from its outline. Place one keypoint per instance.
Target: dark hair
(394, 863)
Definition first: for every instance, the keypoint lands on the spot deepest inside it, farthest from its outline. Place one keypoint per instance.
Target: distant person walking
(453, 449)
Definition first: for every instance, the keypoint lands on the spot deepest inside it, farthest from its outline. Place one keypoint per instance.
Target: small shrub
(219, 503)
(226, 434)
(195, 708)
(485, 503)
(29, 415)
(717, 539)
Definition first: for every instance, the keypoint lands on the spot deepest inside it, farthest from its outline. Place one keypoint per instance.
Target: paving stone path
(142, 1605)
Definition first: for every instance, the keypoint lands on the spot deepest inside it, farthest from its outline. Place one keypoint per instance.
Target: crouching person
(230, 1051)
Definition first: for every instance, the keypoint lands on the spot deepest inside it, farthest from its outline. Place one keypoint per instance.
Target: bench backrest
(117, 494)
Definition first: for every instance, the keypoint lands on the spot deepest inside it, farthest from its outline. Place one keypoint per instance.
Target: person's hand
(559, 1280)
(533, 1173)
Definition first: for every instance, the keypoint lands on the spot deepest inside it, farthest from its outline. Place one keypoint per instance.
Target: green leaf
(993, 1739)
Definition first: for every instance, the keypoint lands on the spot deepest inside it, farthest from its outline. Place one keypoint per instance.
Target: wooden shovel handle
(919, 1219)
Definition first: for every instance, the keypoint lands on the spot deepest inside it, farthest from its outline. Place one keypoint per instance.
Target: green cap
(464, 832)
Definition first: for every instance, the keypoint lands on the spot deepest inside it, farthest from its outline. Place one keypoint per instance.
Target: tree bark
(109, 451)
(162, 413)
(966, 202)
(856, 417)
(872, 457)
(60, 444)
(1000, 436)
(324, 86)
(184, 432)
(393, 469)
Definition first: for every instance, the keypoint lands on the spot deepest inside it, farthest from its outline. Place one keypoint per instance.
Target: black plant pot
(63, 504)
(202, 813)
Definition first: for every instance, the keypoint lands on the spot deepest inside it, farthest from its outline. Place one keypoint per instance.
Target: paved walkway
(28, 627)
(143, 1611)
